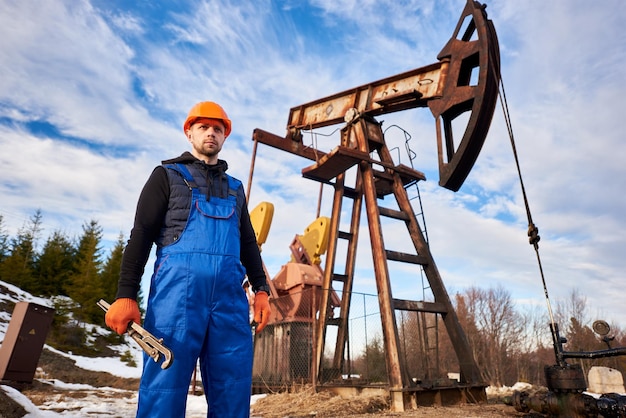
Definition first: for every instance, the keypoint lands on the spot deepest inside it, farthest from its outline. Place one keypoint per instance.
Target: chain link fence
(284, 353)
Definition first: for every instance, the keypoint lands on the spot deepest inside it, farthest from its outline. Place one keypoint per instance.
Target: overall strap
(233, 186)
(184, 172)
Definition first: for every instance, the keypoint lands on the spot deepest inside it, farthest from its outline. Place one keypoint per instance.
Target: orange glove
(121, 313)
(262, 310)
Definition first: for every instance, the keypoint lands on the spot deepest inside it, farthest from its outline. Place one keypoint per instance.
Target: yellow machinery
(292, 287)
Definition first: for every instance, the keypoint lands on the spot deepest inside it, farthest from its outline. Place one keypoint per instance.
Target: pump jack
(464, 81)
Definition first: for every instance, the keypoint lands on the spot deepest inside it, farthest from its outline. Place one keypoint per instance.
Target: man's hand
(262, 310)
(121, 313)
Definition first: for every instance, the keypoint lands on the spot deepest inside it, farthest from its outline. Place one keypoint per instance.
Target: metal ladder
(360, 139)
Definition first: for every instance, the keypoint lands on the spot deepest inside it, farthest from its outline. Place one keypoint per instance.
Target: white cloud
(120, 78)
(62, 64)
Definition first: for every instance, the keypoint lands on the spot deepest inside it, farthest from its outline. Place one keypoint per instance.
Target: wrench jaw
(168, 358)
(151, 351)
(153, 347)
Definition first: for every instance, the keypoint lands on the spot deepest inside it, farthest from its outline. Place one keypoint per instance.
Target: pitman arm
(149, 343)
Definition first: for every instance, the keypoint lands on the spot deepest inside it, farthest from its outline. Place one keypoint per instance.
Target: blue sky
(93, 94)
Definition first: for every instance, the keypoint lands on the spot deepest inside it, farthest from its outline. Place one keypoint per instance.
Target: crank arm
(149, 343)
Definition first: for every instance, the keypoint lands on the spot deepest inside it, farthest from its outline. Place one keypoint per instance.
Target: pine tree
(55, 265)
(84, 285)
(4, 241)
(18, 267)
(375, 369)
(111, 271)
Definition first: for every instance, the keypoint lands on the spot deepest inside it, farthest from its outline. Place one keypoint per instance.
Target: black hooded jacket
(150, 214)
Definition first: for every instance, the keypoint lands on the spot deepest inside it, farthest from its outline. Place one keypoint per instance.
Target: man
(198, 218)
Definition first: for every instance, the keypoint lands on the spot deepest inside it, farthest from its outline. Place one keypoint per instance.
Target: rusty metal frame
(445, 87)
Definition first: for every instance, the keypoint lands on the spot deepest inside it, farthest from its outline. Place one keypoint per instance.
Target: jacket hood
(214, 175)
(188, 158)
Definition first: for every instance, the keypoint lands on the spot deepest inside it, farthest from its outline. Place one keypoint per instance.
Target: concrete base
(605, 380)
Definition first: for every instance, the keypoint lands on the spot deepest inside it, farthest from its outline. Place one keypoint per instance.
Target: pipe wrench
(149, 343)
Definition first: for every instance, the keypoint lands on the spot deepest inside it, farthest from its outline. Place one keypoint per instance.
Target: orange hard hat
(209, 110)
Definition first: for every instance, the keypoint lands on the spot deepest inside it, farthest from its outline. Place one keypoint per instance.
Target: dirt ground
(300, 403)
(306, 403)
(55, 366)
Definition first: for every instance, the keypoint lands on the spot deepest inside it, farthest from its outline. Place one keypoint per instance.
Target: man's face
(207, 138)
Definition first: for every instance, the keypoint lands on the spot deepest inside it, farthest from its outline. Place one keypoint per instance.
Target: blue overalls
(197, 305)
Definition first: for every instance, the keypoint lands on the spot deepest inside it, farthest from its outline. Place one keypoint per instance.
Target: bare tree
(500, 329)
(535, 349)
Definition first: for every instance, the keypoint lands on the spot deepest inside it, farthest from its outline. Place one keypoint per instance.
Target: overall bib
(197, 305)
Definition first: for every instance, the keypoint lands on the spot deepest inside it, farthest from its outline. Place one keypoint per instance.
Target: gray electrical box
(24, 340)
